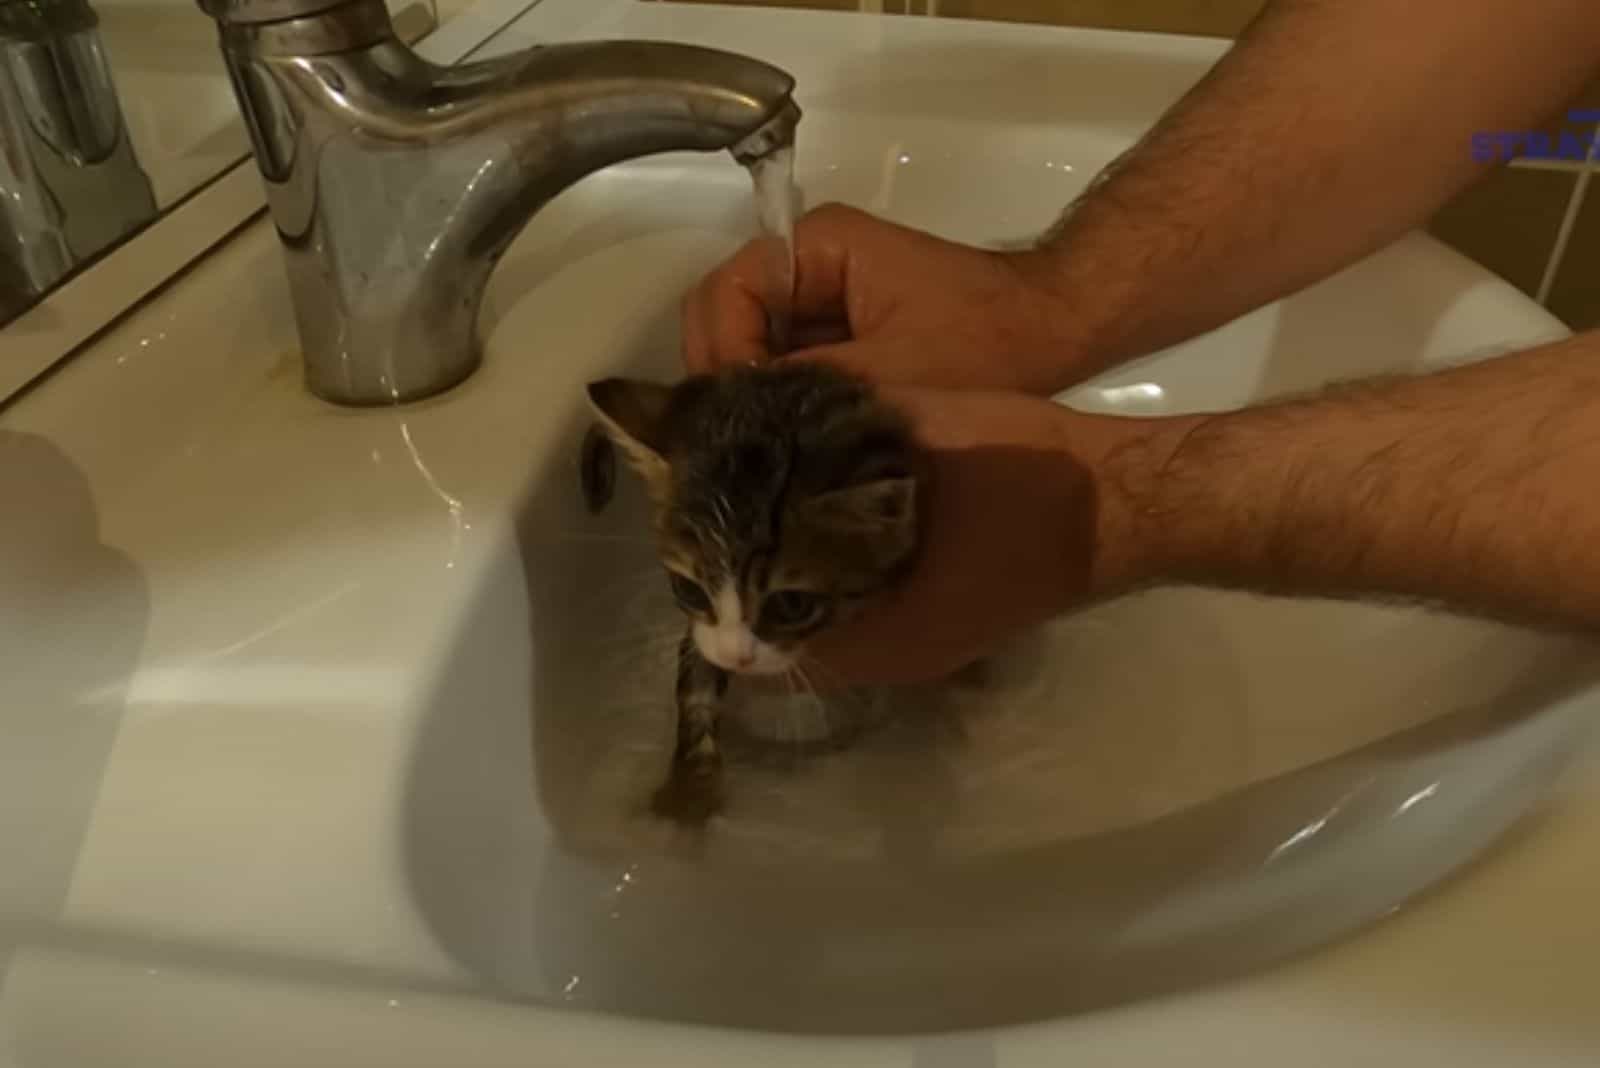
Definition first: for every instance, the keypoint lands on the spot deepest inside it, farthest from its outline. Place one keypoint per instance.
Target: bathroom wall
(1536, 222)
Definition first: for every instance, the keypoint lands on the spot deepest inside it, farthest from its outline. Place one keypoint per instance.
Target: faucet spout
(397, 184)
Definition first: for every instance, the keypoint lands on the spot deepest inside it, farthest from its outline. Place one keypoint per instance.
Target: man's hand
(1274, 171)
(909, 307)
(1030, 513)
(1277, 169)
(1470, 488)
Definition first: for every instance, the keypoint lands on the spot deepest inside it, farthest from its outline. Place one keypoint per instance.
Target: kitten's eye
(689, 594)
(788, 609)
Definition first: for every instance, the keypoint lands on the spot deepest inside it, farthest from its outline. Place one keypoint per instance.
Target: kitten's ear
(884, 506)
(631, 412)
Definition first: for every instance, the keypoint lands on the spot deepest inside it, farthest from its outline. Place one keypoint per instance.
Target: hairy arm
(1471, 488)
(1331, 128)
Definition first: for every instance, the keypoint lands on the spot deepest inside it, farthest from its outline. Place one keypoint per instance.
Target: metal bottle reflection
(70, 183)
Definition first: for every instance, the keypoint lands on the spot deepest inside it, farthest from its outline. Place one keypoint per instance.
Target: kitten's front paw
(691, 795)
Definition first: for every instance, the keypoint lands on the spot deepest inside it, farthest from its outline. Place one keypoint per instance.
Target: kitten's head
(783, 497)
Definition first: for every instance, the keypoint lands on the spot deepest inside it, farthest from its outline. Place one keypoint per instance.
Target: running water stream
(776, 200)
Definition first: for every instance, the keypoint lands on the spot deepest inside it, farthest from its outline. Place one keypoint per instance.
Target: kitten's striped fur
(784, 496)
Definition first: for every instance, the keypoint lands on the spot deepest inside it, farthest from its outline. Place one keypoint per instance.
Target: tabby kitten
(782, 498)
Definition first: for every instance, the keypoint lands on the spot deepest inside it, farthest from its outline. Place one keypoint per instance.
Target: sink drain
(597, 470)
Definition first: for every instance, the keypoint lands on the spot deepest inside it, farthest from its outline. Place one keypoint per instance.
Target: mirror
(112, 112)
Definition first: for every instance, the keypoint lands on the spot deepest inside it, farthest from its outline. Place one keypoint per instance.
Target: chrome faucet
(396, 184)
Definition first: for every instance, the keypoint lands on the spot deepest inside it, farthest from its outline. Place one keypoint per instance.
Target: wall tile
(1508, 222)
(1557, 123)
(1575, 297)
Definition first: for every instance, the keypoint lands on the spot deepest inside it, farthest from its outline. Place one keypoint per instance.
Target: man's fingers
(854, 654)
(693, 347)
(938, 361)
(804, 335)
(900, 361)
(725, 317)
(823, 239)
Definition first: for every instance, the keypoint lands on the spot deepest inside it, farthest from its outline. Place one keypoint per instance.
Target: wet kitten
(783, 497)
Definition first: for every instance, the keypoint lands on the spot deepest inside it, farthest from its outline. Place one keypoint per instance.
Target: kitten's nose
(738, 655)
(736, 650)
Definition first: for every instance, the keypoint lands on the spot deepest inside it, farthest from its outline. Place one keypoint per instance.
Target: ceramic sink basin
(332, 727)
(1149, 793)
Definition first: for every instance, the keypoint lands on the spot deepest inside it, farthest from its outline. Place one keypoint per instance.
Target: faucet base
(383, 395)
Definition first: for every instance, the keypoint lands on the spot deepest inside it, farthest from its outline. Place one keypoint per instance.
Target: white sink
(327, 734)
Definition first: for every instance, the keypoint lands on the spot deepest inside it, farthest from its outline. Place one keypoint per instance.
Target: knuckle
(830, 209)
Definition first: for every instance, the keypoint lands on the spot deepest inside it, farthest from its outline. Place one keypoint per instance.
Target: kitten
(783, 497)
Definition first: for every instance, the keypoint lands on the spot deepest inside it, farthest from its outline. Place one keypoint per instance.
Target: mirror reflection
(71, 184)
(111, 113)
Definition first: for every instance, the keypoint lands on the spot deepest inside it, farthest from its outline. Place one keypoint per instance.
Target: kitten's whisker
(647, 593)
(646, 626)
(643, 618)
(630, 576)
(651, 641)
(654, 648)
(843, 690)
(644, 596)
(626, 630)
(792, 727)
(816, 698)
(722, 510)
(638, 652)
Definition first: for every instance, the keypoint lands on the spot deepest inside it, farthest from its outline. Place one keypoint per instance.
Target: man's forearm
(1330, 129)
(1473, 487)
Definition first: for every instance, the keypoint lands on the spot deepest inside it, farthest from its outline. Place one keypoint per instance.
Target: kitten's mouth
(759, 666)
(763, 662)
(738, 651)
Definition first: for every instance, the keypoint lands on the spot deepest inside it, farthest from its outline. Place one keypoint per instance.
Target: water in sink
(1175, 786)
(1072, 731)
(1136, 797)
